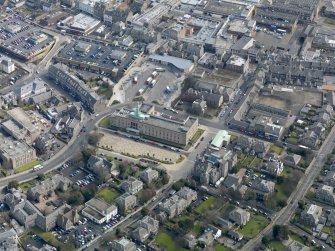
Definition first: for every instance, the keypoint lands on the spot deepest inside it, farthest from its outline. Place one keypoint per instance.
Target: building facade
(99, 211)
(60, 74)
(14, 153)
(161, 126)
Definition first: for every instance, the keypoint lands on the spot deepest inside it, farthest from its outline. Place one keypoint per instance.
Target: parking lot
(12, 78)
(160, 92)
(98, 55)
(150, 93)
(77, 175)
(21, 38)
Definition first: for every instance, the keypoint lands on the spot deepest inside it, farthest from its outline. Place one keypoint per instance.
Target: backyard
(256, 224)
(206, 205)
(108, 195)
(165, 241)
(220, 247)
(276, 246)
(276, 149)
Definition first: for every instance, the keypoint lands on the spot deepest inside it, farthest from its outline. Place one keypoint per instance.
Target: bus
(37, 167)
(281, 31)
(159, 69)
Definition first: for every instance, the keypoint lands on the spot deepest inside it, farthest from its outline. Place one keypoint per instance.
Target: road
(65, 153)
(284, 215)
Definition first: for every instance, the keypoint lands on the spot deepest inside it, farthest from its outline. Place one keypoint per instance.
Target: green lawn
(108, 195)
(104, 122)
(327, 229)
(286, 172)
(233, 138)
(27, 166)
(292, 140)
(277, 246)
(194, 139)
(247, 161)
(279, 193)
(196, 229)
(206, 205)
(26, 185)
(302, 163)
(219, 247)
(240, 156)
(167, 243)
(254, 226)
(256, 162)
(276, 149)
(329, 21)
(197, 135)
(296, 237)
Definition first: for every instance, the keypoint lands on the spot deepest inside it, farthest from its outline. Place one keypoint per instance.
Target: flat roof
(84, 22)
(180, 63)
(13, 148)
(98, 55)
(20, 42)
(162, 118)
(22, 118)
(98, 204)
(93, 213)
(221, 136)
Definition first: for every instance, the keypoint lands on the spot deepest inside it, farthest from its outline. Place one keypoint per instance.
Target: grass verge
(27, 166)
(104, 122)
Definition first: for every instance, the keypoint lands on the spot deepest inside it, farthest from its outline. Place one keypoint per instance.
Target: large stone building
(311, 215)
(144, 228)
(60, 74)
(123, 245)
(28, 215)
(20, 126)
(47, 187)
(156, 124)
(239, 216)
(15, 153)
(126, 202)
(132, 185)
(176, 204)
